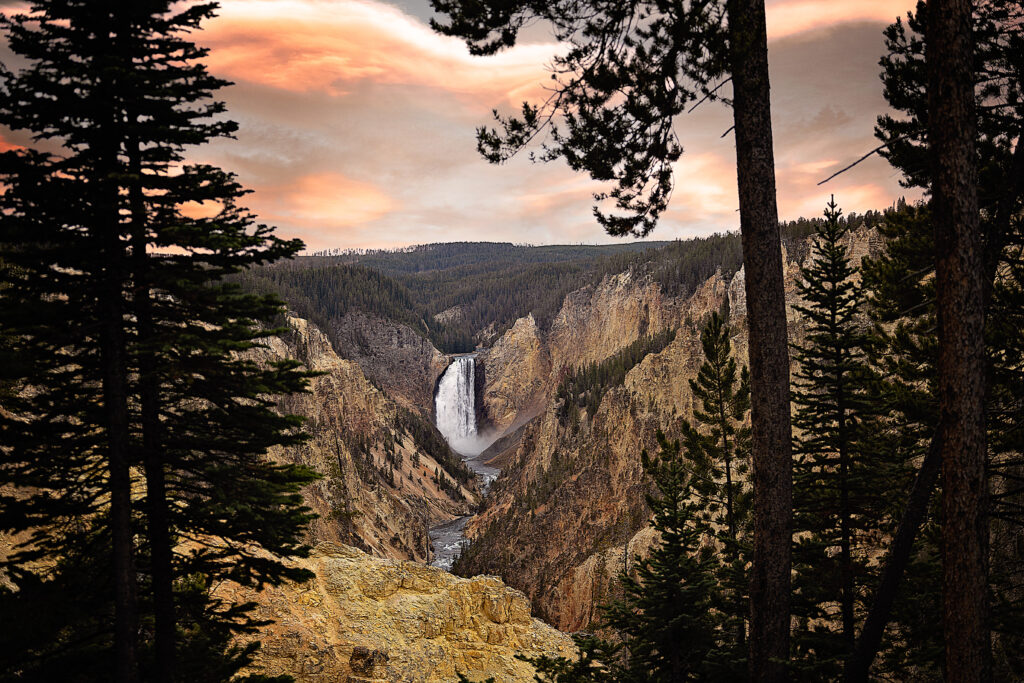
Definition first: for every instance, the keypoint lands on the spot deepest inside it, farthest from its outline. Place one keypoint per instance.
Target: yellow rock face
(516, 369)
(364, 618)
(569, 513)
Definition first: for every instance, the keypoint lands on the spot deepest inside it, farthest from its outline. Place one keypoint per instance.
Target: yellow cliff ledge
(370, 619)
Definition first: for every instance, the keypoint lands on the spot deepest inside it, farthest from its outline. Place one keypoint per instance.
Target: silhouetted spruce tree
(133, 356)
(667, 616)
(901, 350)
(836, 482)
(718, 446)
(630, 70)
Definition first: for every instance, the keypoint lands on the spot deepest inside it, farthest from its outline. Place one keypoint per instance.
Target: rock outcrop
(595, 322)
(370, 619)
(515, 375)
(524, 366)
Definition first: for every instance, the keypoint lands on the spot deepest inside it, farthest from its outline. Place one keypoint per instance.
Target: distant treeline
(491, 285)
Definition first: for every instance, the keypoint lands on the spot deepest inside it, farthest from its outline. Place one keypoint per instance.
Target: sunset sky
(357, 125)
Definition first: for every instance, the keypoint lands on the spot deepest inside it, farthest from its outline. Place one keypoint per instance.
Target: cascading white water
(455, 403)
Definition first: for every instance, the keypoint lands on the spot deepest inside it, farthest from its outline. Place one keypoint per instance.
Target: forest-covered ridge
(471, 256)
(462, 294)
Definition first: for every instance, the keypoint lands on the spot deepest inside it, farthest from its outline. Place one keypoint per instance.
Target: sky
(358, 126)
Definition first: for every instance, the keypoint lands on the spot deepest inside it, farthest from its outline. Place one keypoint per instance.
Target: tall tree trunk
(961, 367)
(769, 350)
(115, 403)
(157, 518)
(927, 477)
(115, 400)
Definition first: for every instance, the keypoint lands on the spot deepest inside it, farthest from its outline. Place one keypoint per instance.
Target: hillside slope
(381, 463)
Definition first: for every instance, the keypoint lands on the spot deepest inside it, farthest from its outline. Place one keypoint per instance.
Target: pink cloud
(310, 45)
(322, 206)
(873, 187)
(357, 126)
(789, 17)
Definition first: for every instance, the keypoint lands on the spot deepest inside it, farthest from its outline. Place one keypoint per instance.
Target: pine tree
(165, 387)
(835, 483)
(719, 447)
(998, 34)
(666, 617)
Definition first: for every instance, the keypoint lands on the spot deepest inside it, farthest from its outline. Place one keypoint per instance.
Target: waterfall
(455, 404)
(455, 408)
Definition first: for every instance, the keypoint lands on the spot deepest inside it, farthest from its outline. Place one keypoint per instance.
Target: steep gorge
(568, 511)
(386, 474)
(565, 516)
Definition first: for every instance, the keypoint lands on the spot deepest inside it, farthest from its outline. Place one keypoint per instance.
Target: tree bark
(845, 533)
(115, 405)
(157, 517)
(769, 351)
(961, 367)
(107, 227)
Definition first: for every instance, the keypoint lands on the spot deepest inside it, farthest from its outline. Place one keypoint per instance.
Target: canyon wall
(569, 511)
(379, 460)
(394, 356)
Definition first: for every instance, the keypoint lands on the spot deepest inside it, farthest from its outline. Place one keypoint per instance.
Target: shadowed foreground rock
(369, 619)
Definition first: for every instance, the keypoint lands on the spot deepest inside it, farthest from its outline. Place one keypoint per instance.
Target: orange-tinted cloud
(195, 210)
(789, 17)
(312, 45)
(322, 201)
(6, 146)
(357, 126)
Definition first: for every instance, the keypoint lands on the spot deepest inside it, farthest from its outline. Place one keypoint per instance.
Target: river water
(455, 408)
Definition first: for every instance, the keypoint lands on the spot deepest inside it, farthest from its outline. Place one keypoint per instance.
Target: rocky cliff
(515, 371)
(370, 619)
(387, 475)
(572, 494)
(568, 511)
(393, 356)
(523, 367)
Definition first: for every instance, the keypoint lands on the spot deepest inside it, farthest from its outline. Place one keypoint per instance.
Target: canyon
(567, 512)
